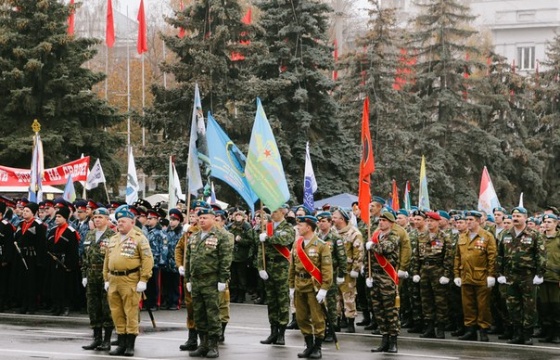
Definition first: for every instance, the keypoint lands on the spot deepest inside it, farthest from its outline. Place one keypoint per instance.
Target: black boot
(293, 324)
(106, 344)
(440, 333)
(416, 328)
(517, 336)
(241, 297)
(343, 322)
(528, 336)
(469, 335)
(372, 325)
(191, 344)
(280, 340)
(484, 335)
(121, 346)
(308, 347)
(96, 339)
(393, 349)
(555, 335)
(366, 320)
(507, 335)
(460, 330)
(337, 324)
(350, 328)
(212, 348)
(131, 339)
(222, 337)
(384, 344)
(316, 353)
(115, 342)
(429, 332)
(273, 335)
(202, 349)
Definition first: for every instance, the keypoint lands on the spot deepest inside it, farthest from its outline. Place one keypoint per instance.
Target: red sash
(306, 262)
(383, 262)
(283, 250)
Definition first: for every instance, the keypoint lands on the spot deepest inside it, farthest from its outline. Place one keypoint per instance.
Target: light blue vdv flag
(228, 162)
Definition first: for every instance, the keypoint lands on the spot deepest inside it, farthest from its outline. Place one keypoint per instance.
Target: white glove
(402, 274)
(369, 282)
(106, 286)
(221, 287)
(537, 280)
(443, 280)
(182, 270)
(368, 245)
(141, 287)
(502, 279)
(416, 278)
(457, 282)
(189, 287)
(262, 237)
(490, 281)
(263, 274)
(354, 274)
(292, 292)
(339, 280)
(84, 282)
(321, 295)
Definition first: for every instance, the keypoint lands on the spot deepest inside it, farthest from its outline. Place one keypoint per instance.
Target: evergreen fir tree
(42, 76)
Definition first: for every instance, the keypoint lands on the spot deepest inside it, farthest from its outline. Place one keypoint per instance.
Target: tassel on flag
(309, 181)
(71, 18)
(395, 203)
(110, 27)
(142, 44)
(487, 198)
(367, 167)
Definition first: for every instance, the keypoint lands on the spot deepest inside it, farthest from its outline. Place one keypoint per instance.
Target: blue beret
(387, 215)
(324, 215)
(499, 208)
(378, 199)
(490, 218)
(507, 216)
(444, 214)
(403, 212)
(312, 220)
(101, 211)
(474, 213)
(519, 210)
(221, 213)
(124, 212)
(344, 213)
(199, 203)
(206, 211)
(305, 209)
(550, 216)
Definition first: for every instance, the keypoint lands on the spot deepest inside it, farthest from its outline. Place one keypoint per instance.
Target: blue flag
(309, 182)
(228, 162)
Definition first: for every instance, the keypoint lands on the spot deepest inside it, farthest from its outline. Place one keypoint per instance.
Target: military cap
(508, 216)
(215, 207)
(34, 207)
(41, 205)
(9, 202)
(101, 211)
(176, 214)
(433, 215)
(459, 216)
(22, 202)
(163, 222)
(304, 209)
(418, 212)
(403, 212)
(49, 203)
(285, 206)
(308, 219)
(153, 213)
(324, 215)
(355, 203)
(221, 213)
(64, 212)
(206, 211)
(181, 201)
(92, 204)
(115, 204)
(454, 212)
(490, 217)
(134, 210)
(519, 210)
(554, 210)
(81, 204)
(60, 202)
(266, 210)
(199, 204)
(143, 202)
(473, 213)
(499, 208)
(387, 215)
(550, 216)
(142, 211)
(124, 211)
(531, 219)
(378, 199)
(444, 214)
(326, 207)
(344, 213)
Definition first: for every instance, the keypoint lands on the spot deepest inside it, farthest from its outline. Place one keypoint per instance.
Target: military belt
(123, 272)
(96, 266)
(304, 275)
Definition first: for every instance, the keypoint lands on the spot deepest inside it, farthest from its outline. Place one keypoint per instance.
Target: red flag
(142, 45)
(367, 167)
(71, 18)
(395, 200)
(335, 55)
(247, 20)
(181, 29)
(110, 29)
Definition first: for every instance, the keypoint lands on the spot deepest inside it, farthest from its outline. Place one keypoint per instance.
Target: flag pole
(107, 193)
(263, 229)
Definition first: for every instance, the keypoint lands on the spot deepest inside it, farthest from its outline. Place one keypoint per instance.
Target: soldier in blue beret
(549, 292)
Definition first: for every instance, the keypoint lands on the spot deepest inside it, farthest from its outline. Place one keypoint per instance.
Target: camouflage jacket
(284, 234)
(552, 244)
(155, 237)
(170, 240)
(354, 246)
(94, 254)
(244, 238)
(524, 254)
(388, 246)
(338, 253)
(208, 258)
(434, 248)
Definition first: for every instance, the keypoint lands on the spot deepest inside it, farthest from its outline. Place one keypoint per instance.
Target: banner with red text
(53, 176)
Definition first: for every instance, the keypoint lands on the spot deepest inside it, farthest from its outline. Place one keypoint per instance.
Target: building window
(526, 57)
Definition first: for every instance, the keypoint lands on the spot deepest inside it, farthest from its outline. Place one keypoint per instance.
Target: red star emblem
(267, 153)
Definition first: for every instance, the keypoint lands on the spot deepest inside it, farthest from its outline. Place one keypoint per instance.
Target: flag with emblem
(193, 166)
(95, 176)
(69, 190)
(264, 170)
(132, 186)
(309, 181)
(37, 170)
(487, 197)
(423, 198)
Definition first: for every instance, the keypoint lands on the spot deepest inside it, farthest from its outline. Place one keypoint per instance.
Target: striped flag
(487, 197)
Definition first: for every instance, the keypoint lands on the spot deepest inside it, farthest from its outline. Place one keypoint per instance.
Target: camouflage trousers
(549, 293)
(434, 295)
(383, 295)
(521, 301)
(331, 303)
(206, 307)
(347, 297)
(97, 304)
(277, 292)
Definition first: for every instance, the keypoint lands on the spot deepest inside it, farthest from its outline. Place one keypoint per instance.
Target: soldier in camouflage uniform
(418, 227)
(501, 306)
(432, 268)
(354, 247)
(274, 272)
(402, 220)
(207, 271)
(170, 278)
(338, 256)
(382, 264)
(521, 265)
(155, 237)
(243, 236)
(225, 299)
(549, 291)
(99, 313)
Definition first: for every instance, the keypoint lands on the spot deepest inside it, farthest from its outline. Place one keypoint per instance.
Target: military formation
(465, 273)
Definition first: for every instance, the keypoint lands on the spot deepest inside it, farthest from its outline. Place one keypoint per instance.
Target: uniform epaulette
(320, 241)
(39, 221)
(5, 222)
(71, 228)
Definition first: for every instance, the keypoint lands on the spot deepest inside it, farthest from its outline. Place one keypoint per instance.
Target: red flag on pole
(110, 29)
(367, 166)
(142, 45)
(71, 18)
(395, 204)
(181, 29)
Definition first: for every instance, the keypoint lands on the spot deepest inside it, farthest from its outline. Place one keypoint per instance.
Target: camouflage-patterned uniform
(384, 290)
(414, 288)
(170, 278)
(354, 247)
(92, 269)
(155, 238)
(225, 295)
(207, 263)
(244, 239)
(454, 292)
(433, 260)
(549, 291)
(277, 267)
(338, 256)
(520, 258)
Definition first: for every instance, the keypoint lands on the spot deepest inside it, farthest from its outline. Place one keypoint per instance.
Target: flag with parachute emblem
(132, 186)
(309, 181)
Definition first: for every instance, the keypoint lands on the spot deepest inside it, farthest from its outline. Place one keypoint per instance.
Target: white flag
(197, 126)
(310, 184)
(521, 200)
(95, 176)
(131, 180)
(174, 189)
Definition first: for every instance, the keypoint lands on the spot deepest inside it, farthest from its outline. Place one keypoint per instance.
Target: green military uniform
(244, 239)
(412, 288)
(549, 291)
(354, 247)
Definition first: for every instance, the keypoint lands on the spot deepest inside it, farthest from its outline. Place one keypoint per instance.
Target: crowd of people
(464, 272)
